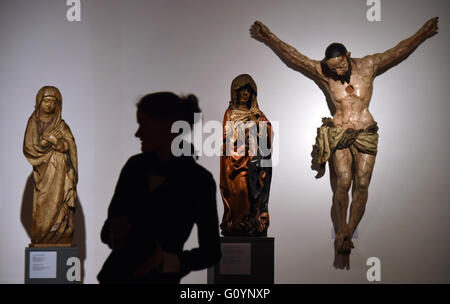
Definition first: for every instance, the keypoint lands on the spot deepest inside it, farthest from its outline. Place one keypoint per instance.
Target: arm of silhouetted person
(208, 253)
(116, 226)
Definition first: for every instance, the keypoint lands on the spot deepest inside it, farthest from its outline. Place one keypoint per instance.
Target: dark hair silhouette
(167, 105)
(335, 50)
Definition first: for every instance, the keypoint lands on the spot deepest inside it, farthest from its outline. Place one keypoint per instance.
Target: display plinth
(52, 265)
(50, 245)
(244, 260)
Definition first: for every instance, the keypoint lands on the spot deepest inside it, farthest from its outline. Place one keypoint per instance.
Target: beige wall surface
(121, 50)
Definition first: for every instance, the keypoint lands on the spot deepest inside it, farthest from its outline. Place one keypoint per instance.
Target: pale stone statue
(50, 148)
(349, 139)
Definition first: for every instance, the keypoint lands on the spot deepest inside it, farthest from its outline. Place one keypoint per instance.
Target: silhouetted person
(157, 201)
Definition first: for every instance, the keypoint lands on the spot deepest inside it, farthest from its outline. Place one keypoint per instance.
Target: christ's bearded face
(338, 65)
(340, 68)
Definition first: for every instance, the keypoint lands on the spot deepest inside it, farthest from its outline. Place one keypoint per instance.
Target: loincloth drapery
(330, 138)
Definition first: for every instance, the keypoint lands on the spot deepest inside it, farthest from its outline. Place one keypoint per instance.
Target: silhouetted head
(155, 115)
(337, 61)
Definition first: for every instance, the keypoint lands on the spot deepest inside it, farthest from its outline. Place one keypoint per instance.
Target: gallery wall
(121, 50)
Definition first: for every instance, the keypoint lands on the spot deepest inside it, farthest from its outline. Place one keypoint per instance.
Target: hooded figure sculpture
(245, 166)
(50, 148)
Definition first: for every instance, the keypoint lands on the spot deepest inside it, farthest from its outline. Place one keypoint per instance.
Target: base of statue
(52, 264)
(245, 260)
(46, 245)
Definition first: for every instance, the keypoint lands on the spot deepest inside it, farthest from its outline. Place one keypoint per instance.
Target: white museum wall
(122, 50)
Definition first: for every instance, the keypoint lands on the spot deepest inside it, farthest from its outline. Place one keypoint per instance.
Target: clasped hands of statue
(161, 261)
(54, 137)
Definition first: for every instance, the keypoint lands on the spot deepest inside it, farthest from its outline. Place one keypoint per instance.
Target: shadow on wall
(80, 228)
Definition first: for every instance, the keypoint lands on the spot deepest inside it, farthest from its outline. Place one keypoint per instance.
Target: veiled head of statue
(48, 102)
(48, 91)
(241, 83)
(245, 94)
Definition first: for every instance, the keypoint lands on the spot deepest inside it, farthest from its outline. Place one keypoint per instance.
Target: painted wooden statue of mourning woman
(50, 148)
(245, 166)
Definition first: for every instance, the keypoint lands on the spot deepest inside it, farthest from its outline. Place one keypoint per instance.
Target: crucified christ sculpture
(349, 140)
